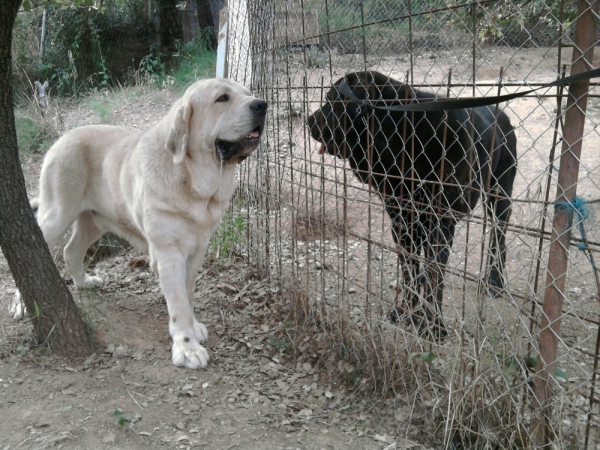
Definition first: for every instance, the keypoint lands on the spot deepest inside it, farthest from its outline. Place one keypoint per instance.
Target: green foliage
(28, 5)
(193, 61)
(86, 309)
(122, 418)
(504, 22)
(518, 23)
(32, 136)
(229, 234)
(97, 48)
(343, 351)
(426, 357)
(278, 344)
(558, 373)
(152, 65)
(100, 108)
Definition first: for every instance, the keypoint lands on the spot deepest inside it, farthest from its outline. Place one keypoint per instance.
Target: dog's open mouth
(243, 148)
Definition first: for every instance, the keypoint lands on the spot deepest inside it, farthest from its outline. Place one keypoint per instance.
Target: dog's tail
(35, 204)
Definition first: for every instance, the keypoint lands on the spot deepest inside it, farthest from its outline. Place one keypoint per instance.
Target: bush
(35, 132)
(193, 61)
(98, 49)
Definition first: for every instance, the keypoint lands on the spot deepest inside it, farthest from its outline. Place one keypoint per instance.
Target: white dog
(164, 190)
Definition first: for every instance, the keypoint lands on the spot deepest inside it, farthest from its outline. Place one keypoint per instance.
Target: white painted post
(222, 43)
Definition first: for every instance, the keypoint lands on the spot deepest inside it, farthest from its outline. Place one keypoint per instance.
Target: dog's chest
(206, 213)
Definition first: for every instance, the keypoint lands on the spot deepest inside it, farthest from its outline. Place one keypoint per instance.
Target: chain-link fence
(444, 259)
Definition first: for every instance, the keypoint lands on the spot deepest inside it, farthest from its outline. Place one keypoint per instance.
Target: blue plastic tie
(579, 208)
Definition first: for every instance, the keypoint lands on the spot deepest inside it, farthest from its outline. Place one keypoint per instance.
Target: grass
(31, 136)
(230, 233)
(36, 130)
(101, 107)
(193, 61)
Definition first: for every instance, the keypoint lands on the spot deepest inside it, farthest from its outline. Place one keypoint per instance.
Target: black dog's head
(338, 123)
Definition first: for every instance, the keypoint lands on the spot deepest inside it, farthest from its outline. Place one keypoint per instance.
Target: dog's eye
(222, 98)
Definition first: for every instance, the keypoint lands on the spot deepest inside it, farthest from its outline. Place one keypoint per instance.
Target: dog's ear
(177, 139)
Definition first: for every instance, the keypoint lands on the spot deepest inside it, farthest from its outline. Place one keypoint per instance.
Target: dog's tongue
(322, 149)
(253, 134)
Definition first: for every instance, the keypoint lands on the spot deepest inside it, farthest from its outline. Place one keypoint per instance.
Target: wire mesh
(369, 221)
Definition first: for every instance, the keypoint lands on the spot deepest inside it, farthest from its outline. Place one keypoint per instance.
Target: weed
(123, 418)
(426, 357)
(230, 234)
(101, 109)
(151, 65)
(37, 129)
(87, 306)
(279, 344)
(107, 246)
(316, 58)
(30, 135)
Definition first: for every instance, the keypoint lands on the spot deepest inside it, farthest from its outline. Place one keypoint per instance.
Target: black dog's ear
(352, 90)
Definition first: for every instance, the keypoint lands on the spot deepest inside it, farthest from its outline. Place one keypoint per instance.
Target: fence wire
(369, 221)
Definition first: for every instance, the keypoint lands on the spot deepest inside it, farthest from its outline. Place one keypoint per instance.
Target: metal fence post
(566, 192)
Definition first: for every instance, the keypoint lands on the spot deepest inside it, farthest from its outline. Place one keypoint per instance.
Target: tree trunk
(206, 23)
(43, 36)
(170, 29)
(55, 318)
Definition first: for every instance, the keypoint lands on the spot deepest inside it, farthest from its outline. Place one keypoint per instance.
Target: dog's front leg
(186, 350)
(193, 266)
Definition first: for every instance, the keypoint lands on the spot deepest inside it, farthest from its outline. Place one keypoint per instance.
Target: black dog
(429, 168)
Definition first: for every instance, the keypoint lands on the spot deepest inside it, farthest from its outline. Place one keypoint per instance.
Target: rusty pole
(566, 191)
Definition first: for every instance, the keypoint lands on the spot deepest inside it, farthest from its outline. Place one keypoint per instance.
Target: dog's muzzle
(246, 146)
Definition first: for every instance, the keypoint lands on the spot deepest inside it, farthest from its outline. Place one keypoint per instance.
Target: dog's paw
(187, 352)
(91, 282)
(200, 331)
(17, 308)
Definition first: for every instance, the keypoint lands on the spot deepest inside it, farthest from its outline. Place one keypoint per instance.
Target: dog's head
(338, 123)
(219, 117)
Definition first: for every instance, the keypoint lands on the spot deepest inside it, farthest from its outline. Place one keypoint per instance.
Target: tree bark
(54, 315)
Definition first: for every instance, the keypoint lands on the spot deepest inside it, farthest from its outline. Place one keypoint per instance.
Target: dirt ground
(255, 394)
(251, 396)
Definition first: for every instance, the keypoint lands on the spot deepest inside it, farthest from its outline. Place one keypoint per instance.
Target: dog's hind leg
(500, 204)
(437, 250)
(85, 233)
(54, 223)
(408, 234)
(497, 256)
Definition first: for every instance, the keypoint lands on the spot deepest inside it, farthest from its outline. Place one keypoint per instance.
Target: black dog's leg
(500, 204)
(438, 244)
(408, 234)
(497, 257)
